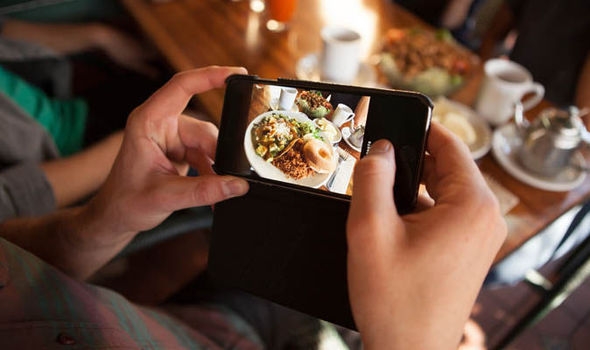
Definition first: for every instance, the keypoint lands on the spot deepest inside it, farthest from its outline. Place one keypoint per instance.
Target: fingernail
(380, 146)
(235, 187)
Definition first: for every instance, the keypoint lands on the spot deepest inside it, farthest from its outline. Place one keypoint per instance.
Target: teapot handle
(585, 134)
(521, 122)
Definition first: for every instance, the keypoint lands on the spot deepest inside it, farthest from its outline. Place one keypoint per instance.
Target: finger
(202, 163)
(197, 135)
(424, 202)
(448, 150)
(178, 192)
(449, 170)
(172, 98)
(374, 176)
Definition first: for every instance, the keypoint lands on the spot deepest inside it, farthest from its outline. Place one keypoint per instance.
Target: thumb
(373, 181)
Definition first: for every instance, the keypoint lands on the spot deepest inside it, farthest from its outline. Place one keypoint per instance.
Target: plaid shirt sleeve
(42, 308)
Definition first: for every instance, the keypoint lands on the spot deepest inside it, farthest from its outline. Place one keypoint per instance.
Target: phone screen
(310, 135)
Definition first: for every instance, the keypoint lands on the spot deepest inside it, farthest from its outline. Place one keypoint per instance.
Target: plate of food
(287, 146)
(314, 104)
(465, 123)
(329, 130)
(425, 61)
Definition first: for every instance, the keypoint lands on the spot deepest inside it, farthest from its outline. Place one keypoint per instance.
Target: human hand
(413, 279)
(146, 182)
(123, 49)
(72, 38)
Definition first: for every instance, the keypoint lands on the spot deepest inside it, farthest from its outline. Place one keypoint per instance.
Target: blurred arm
(78, 176)
(66, 38)
(455, 13)
(502, 23)
(62, 38)
(583, 89)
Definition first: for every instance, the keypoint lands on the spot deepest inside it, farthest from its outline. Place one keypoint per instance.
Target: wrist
(87, 241)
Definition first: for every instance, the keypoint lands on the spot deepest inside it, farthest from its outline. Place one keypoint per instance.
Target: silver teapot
(549, 143)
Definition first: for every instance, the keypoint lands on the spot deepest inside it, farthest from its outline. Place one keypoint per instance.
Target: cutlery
(342, 156)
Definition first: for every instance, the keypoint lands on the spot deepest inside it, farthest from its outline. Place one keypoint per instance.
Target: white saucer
(483, 142)
(506, 141)
(345, 135)
(308, 69)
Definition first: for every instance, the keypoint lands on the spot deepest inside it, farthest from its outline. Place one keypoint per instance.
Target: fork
(342, 156)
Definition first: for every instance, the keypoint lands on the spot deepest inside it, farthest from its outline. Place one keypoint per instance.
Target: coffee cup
(287, 98)
(505, 83)
(342, 114)
(340, 58)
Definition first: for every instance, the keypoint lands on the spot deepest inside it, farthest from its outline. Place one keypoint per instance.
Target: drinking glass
(280, 12)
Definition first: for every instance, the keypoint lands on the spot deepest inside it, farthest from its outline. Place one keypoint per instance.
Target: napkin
(344, 172)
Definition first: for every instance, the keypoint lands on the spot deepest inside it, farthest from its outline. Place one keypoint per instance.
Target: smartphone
(307, 136)
(297, 142)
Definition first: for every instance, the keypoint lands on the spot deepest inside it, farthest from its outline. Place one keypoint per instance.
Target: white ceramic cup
(287, 98)
(340, 57)
(505, 83)
(342, 114)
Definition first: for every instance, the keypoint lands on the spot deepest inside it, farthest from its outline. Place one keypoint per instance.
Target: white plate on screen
(505, 143)
(269, 171)
(307, 68)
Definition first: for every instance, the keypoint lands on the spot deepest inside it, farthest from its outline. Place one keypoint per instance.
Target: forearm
(583, 87)
(78, 176)
(455, 13)
(501, 25)
(62, 38)
(68, 239)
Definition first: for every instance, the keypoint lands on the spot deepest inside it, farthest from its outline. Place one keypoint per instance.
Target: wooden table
(199, 33)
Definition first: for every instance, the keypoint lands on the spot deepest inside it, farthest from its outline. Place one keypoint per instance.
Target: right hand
(413, 279)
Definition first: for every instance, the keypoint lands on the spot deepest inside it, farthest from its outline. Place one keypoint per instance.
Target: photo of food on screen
(305, 137)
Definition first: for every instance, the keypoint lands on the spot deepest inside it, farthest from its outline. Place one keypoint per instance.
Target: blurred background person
(550, 39)
(58, 142)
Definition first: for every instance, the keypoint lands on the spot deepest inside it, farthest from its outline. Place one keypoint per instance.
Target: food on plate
(293, 163)
(319, 155)
(275, 132)
(421, 60)
(329, 130)
(458, 124)
(314, 104)
(296, 148)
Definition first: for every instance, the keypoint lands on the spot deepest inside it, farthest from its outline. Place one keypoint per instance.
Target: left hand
(147, 181)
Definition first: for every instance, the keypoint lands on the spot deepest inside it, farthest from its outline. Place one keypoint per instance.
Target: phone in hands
(296, 142)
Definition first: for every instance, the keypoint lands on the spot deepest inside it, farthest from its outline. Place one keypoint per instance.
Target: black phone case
(286, 246)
